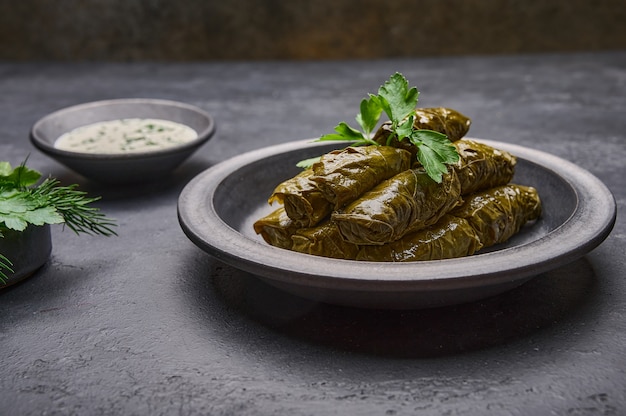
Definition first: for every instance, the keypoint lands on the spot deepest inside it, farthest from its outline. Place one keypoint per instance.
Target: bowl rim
(203, 136)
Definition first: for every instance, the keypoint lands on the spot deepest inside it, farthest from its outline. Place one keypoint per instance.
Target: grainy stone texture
(147, 324)
(302, 29)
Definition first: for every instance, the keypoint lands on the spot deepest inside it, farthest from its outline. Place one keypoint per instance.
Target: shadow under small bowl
(126, 167)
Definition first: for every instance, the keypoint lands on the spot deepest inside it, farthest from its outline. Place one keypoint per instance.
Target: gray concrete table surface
(147, 324)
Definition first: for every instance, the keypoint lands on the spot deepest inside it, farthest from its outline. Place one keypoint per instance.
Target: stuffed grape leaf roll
(407, 202)
(276, 228)
(486, 218)
(302, 200)
(443, 120)
(482, 166)
(450, 237)
(324, 240)
(498, 213)
(343, 175)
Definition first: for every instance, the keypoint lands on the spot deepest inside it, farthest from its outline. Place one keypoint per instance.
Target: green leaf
(20, 177)
(307, 163)
(435, 151)
(435, 168)
(14, 202)
(43, 215)
(439, 143)
(399, 99)
(369, 116)
(405, 129)
(345, 130)
(332, 137)
(5, 266)
(344, 133)
(25, 177)
(5, 169)
(18, 212)
(13, 222)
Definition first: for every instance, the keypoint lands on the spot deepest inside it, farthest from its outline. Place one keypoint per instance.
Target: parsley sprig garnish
(398, 101)
(22, 204)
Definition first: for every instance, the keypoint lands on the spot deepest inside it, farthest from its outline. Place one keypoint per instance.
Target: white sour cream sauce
(128, 135)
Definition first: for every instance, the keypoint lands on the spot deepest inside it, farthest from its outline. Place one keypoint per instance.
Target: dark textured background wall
(297, 29)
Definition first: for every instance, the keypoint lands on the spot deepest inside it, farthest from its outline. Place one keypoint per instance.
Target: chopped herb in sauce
(126, 136)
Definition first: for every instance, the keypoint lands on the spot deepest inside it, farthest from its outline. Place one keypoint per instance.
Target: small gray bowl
(27, 251)
(122, 168)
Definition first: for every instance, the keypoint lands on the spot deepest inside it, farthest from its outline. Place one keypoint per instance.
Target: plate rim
(205, 228)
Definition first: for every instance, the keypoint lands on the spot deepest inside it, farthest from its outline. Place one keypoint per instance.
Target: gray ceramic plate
(217, 209)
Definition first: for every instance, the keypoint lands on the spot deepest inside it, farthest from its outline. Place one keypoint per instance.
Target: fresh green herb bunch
(22, 204)
(398, 101)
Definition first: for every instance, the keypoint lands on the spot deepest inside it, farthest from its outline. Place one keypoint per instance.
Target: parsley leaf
(19, 177)
(18, 209)
(307, 163)
(371, 111)
(344, 133)
(398, 101)
(434, 152)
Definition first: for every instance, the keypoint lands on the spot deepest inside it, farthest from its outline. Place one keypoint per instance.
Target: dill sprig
(74, 206)
(5, 266)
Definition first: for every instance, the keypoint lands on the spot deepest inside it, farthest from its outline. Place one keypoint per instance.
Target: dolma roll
(323, 240)
(276, 228)
(407, 202)
(482, 166)
(343, 175)
(443, 120)
(450, 237)
(302, 200)
(498, 213)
